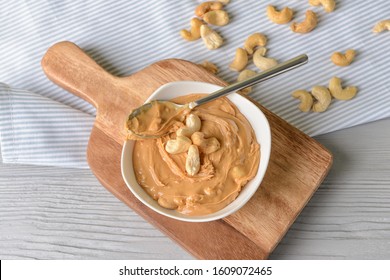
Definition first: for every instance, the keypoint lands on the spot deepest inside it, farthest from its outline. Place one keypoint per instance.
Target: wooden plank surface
(57, 213)
(297, 166)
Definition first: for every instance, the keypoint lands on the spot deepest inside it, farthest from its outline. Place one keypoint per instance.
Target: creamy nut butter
(222, 173)
(159, 119)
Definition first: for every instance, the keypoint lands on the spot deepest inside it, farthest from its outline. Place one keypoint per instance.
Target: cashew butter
(158, 119)
(227, 161)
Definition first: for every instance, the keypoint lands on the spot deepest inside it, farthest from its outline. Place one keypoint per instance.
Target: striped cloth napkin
(44, 124)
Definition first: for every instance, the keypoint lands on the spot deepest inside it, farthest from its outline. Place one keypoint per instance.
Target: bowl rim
(265, 150)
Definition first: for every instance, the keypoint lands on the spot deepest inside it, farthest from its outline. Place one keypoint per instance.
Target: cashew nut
(343, 59)
(240, 60)
(192, 160)
(225, 2)
(244, 75)
(261, 62)
(194, 33)
(206, 146)
(211, 38)
(338, 92)
(381, 26)
(328, 5)
(205, 7)
(218, 17)
(211, 67)
(178, 145)
(323, 97)
(307, 25)
(306, 99)
(193, 124)
(279, 17)
(254, 40)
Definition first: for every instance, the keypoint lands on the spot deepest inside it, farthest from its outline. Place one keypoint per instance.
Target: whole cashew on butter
(306, 99)
(178, 145)
(329, 5)
(338, 92)
(192, 160)
(343, 59)
(280, 17)
(240, 60)
(307, 25)
(211, 38)
(193, 124)
(206, 146)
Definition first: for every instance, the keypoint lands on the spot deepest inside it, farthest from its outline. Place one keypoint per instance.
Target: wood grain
(298, 163)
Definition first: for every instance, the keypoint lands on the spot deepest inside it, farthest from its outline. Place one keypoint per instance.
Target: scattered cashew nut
(206, 146)
(280, 17)
(218, 17)
(306, 99)
(323, 97)
(329, 5)
(307, 25)
(343, 59)
(254, 40)
(240, 60)
(245, 74)
(211, 38)
(178, 145)
(262, 62)
(381, 26)
(193, 124)
(211, 67)
(205, 7)
(194, 33)
(338, 92)
(192, 160)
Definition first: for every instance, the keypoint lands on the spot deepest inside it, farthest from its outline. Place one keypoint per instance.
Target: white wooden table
(55, 213)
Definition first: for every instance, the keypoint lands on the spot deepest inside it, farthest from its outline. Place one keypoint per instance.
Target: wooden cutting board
(297, 166)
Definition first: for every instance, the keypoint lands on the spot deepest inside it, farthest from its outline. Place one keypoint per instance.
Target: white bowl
(260, 126)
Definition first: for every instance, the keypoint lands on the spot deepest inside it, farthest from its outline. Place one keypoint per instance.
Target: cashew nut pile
(210, 12)
(253, 45)
(343, 59)
(189, 139)
(320, 97)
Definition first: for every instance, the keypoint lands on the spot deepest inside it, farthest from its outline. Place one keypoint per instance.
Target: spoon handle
(270, 73)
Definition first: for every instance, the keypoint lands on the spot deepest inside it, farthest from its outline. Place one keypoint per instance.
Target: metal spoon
(263, 76)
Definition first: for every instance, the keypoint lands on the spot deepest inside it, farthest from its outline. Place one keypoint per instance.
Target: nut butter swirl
(222, 173)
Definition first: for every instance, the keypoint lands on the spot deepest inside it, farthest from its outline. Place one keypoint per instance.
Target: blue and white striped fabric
(38, 130)
(125, 36)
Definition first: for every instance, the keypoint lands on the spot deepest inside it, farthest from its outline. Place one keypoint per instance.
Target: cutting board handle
(71, 68)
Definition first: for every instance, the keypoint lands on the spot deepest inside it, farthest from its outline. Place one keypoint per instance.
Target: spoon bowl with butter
(157, 118)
